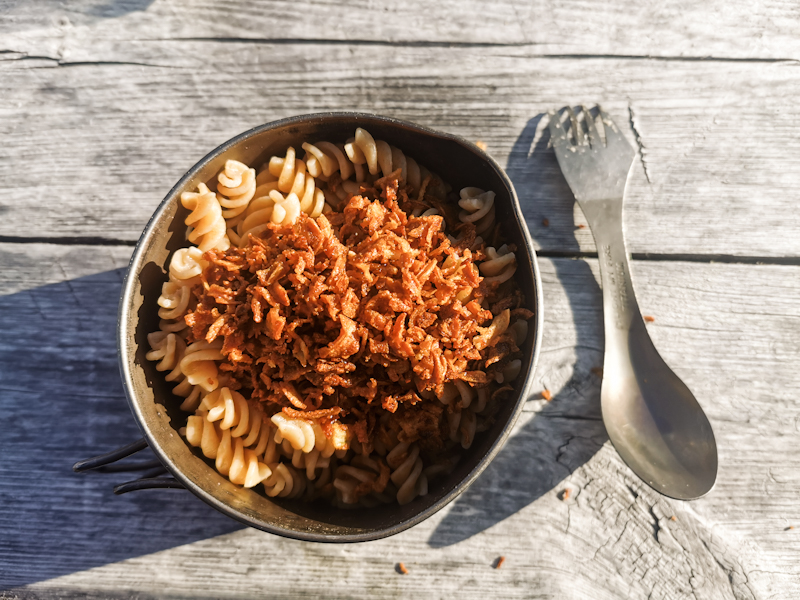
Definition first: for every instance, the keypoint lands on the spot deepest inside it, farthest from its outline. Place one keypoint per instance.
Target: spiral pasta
(169, 349)
(235, 433)
(254, 221)
(288, 170)
(307, 435)
(461, 415)
(519, 331)
(186, 265)
(206, 219)
(184, 272)
(308, 457)
(381, 158)
(285, 209)
(478, 209)
(325, 159)
(198, 366)
(284, 190)
(236, 187)
(174, 300)
(500, 265)
(319, 165)
(164, 348)
(347, 481)
(510, 371)
(232, 458)
(311, 462)
(291, 177)
(406, 465)
(284, 482)
(237, 414)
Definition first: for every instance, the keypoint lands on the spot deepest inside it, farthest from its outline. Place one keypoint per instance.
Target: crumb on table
(598, 371)
(401, 568)
(649, 319)
(565, 494)
(546, 222)
(547, 395)
(673, 518)
(581, 226)
(481, 144)
(499, 562)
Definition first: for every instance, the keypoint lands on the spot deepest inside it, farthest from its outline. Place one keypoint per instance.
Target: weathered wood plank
(734, 29)
(735, 346)
(62, 401)
(97, 97)
(94, 147)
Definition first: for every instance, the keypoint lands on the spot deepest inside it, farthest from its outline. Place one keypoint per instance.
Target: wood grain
(676, 29)
(735, 346)
(102, 132)
(106, 104)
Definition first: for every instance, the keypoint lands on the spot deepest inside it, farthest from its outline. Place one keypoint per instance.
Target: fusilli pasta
(236, 187)
(315, 457)
(169, 349)
(206, 219)
(478, 209)
(500, 265)
(232, 459)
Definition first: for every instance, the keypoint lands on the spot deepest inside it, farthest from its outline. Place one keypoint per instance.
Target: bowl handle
(151, 479)
(148, 484)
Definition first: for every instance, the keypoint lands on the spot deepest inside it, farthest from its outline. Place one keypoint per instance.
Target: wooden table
(104, 105)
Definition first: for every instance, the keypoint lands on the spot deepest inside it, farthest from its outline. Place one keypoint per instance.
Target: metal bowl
(156, 409)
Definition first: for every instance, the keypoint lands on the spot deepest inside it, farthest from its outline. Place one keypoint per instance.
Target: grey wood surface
(96, 113)
(104, 105)
(58, 352)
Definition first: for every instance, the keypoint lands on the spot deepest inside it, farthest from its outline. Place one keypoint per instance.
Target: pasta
(206, 219)
(198, 366)
(236, 187)
(407, 474)
(184, 271)
(501, 265)
(382, 159)
(322, 312)
(478, 209)
(169, 349)
(232, 458)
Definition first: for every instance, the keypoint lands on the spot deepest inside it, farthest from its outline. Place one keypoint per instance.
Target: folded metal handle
(150, 480)
(150, 483)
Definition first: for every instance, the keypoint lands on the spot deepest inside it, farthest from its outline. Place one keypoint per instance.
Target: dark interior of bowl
(457, 162)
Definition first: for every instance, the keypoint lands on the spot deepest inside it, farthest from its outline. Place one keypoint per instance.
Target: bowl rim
(125, 354)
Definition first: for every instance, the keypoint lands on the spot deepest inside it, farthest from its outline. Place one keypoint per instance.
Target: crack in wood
(344, 42)
(58, 62)
(460, 44)
(656, 523)
(639, 142)
(740, 591)
(67, 241)
(85, 63)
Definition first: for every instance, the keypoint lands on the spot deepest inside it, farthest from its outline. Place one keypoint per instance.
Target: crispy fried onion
(353, 315)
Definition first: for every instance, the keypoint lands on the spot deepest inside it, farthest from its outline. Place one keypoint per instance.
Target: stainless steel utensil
(652, 418)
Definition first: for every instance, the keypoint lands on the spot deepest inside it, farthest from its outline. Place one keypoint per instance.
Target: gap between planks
(457, 44)
(642, 256)
(402, 44)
